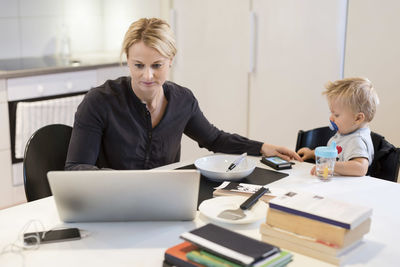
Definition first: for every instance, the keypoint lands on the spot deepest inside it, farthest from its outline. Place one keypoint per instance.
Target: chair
(313, 138)
(386, 161)
(45, 151)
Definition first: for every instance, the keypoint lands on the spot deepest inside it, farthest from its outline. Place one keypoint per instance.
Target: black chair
(386, 161)
(45, 151)
(313, 138)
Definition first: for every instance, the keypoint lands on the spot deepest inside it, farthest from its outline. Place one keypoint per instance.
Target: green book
(277, 260)
(209, 260)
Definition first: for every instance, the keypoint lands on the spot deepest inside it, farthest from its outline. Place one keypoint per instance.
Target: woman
(137, 122)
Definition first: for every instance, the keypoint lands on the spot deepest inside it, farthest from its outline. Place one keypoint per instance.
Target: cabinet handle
(69, 86)
(172, 20)
(253, 38)
(40, 89)
(172, 24)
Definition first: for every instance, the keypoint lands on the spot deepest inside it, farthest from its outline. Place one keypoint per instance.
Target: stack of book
(212, 245)
(316, 226)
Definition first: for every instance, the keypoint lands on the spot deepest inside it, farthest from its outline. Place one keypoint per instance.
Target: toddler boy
(353, 103)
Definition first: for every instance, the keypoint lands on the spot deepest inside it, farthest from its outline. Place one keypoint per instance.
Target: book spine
(175, 261)
(309, 215)
(300, 240)
(302, 250)
(316, 229)
(307, 227)
(209, 259)
(217, 249)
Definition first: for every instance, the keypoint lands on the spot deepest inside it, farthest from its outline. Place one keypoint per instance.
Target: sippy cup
(325, 158)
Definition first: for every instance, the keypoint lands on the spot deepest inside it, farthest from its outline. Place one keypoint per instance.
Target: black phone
(277, 163)
(52, 236)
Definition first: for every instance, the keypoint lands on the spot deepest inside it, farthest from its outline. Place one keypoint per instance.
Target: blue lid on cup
(326, 151)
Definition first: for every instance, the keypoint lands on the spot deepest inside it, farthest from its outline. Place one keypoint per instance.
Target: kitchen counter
(22, 67)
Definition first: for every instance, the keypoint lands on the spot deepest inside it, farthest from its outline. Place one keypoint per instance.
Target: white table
(143, 243)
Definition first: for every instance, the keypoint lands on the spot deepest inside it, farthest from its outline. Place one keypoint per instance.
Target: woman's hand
(306, 153)
(279, 151)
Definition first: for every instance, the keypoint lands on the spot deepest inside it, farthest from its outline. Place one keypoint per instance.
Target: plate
(214, 167)
(214, 206)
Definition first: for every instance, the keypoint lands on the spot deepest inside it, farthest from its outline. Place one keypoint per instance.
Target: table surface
(143, 243)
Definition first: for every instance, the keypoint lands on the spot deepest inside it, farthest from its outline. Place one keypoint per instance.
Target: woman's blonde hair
(154, 33)
(356, 93)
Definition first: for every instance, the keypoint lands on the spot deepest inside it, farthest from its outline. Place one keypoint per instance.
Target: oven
(36, 101)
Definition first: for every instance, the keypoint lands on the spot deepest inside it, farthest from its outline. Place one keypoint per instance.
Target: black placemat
(259, 176)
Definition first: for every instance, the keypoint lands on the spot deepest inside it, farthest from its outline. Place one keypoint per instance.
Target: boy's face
(346, 120)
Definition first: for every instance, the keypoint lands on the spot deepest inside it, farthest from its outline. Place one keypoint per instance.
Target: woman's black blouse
(112, 129)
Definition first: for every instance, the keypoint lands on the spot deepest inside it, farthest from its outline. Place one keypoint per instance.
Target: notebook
(229, 244)
(125, 195)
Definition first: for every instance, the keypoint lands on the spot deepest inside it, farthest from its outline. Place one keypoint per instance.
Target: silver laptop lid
(128, 195)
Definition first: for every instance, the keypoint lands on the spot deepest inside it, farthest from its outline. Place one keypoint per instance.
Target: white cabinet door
(212, 59)
(9, 194)
(4, 122)
(299, 47)
(4, 131)
(372, 51)
(50, 84)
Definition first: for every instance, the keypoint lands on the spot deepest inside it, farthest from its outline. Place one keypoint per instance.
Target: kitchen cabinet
(259, 67)
(372, 51)
(300, 46)
(4, 133)
(212, 61)
(9, 194)
(50, 84)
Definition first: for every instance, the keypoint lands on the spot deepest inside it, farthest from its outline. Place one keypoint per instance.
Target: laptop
(125, 195)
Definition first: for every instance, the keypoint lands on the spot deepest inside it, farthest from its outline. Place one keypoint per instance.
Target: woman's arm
(207, 135)
(210, 137)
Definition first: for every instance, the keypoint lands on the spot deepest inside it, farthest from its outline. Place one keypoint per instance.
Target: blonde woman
(137, 122)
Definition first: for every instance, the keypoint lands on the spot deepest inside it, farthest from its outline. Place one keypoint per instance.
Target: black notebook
(228, 244)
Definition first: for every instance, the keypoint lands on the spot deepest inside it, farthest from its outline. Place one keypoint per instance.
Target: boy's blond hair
(356, 93)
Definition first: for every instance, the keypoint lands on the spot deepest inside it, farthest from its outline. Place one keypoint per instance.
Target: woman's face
(148, 68)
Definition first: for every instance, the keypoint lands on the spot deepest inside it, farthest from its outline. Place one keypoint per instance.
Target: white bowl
(214, 167)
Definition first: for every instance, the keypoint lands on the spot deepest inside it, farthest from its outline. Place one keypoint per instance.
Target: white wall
(373, 51)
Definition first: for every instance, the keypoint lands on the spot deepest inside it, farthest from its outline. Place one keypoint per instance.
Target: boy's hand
(314, 170)
(306, 153)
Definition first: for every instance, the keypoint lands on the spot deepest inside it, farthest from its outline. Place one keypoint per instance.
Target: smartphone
(52, 236)
(277, 163)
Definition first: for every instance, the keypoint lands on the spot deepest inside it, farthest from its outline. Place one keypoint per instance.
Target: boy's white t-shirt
(357, 144)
